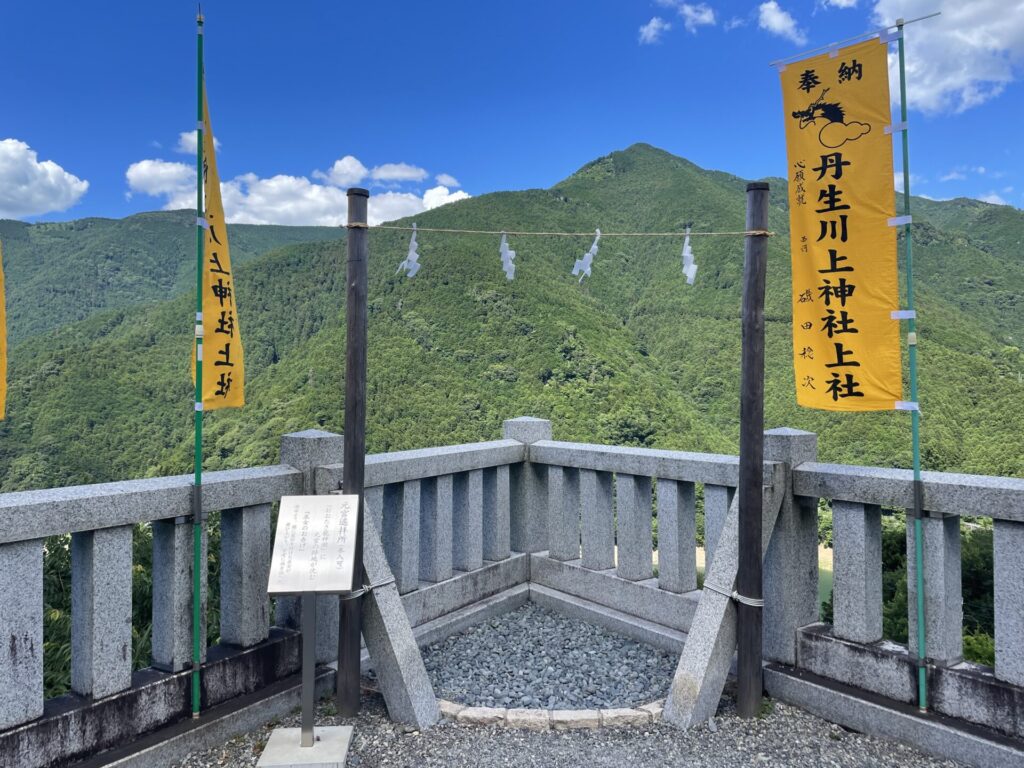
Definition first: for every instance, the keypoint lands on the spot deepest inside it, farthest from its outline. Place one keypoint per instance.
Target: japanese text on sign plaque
(846, 346)
(314, 548)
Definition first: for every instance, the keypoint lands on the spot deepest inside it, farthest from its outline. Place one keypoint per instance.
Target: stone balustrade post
(1008, 575)
(943, 595)
(790, 584)
(677, 536)
(244, 571)
(305, 451)
(529, 487)
(717, 500)
(399, 523)
(598, 533)
(857, 571)
(21, 626)
(468, 521)
(172, 594)
(437, 496)
(633, 528)
(563, 513)
(101, 611)
(497, 513)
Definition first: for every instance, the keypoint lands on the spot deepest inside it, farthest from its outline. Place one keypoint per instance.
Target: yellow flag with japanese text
(223, 361)
(846, 344)
(3, 340)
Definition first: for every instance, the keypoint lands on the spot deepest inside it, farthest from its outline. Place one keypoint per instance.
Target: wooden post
(748, 581)
(355, 442)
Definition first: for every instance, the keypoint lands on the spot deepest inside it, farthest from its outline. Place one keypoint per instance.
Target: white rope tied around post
(739, 233)
(734, 595)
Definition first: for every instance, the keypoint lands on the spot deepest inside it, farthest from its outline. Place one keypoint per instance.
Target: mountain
(61, 272)
(632, 355)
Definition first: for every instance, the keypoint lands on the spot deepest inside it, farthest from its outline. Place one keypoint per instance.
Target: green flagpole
(915, 416)
(197, 494)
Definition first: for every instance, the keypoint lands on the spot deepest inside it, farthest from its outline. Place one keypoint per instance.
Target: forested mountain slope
(632, 355)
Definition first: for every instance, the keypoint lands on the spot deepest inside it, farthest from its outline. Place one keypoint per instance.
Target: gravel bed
(536, 658)
(784, 736)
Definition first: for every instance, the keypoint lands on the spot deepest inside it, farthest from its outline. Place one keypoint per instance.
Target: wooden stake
(355, 442)
(748, 582)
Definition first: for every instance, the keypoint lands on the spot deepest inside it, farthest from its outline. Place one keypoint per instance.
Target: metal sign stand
(312, 556)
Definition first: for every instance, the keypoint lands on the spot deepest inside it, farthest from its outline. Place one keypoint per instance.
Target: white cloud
(398, 172)
(652, 31)
(187, 143)
(993, 198)
(961, 59)
(839, 3)
(961, 172)
(696, 16)
(29, 187)
(344, 173)
(394, 205)
(159, 177)
(734, 23)
(447, 180)
(280, 199)
(772, 18)
(441, 195)
(897, 180)
(398, 205)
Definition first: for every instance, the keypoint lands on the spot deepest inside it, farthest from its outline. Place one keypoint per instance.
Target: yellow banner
(223, 362)
(3, 341)
(846, 346)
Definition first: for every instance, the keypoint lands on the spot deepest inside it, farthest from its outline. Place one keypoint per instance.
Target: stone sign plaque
(314, 549)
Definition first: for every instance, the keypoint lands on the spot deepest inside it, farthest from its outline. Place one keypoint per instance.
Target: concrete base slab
(329, 750)
(938, 735)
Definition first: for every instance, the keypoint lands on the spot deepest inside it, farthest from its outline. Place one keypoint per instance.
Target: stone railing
(108, 702)
(474, 530)
(851, 651)
(444, 514)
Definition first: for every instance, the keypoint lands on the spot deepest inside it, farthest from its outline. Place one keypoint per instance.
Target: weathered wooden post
(355, 442)
(748, 582)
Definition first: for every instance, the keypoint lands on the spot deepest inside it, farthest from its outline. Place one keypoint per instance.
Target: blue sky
(428, 102)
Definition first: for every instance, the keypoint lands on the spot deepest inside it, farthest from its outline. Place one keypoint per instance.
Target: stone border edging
(554, 719)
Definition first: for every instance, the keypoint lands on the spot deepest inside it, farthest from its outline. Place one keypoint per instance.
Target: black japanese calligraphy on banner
(223, 361)
(846, 346)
